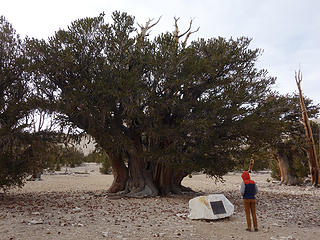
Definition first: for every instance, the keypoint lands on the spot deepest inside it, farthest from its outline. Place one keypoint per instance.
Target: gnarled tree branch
(188, 32)
(143, 29)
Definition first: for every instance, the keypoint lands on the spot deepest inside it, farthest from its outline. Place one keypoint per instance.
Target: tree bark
(141, 177)
(251, 165)
(168, 180)
(278, 163)
(139, 183)
(120, 174)
(145, 179)
(286, 175)
(311, 151)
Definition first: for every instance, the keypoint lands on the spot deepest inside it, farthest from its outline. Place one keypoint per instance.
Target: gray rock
(34, 222)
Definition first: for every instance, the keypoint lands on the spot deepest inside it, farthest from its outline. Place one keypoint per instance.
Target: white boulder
(211, 207)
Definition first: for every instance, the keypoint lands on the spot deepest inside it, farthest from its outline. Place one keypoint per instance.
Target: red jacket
(248, 187)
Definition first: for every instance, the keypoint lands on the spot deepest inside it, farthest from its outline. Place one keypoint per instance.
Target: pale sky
(288, 31)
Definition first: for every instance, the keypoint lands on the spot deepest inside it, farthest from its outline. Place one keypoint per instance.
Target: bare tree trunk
(251, 165)
(312, 156)
(278, 163)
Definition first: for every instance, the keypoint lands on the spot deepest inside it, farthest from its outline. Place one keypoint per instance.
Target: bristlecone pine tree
(22, 152)
(283, 135)
(161, 109)
(14, 106)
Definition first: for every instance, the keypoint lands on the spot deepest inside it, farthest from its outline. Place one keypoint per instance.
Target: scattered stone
(34, 222)
(182, 215)
(76, 209)
(161, 235)
(211, 207)
(276, 224)
(282, 238)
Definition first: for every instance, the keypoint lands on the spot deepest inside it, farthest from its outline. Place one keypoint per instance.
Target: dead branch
(146, 27)
(176, 28)
(187, 37)
(190, 25)
(188, 32)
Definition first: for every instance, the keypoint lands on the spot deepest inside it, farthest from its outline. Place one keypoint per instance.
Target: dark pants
(250, 207)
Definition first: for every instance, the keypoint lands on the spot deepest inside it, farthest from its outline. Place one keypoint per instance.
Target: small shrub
(275, 173)
(96, 157)
(106, 165)
(71, 157)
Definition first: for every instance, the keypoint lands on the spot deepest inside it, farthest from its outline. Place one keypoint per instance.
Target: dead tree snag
(313, 161)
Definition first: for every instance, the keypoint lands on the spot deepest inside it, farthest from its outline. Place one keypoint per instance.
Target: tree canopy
(14, 107)
(156, 101)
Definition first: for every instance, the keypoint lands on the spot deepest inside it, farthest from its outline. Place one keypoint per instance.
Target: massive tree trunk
(144, 179)
(140, 183)
(286, 175)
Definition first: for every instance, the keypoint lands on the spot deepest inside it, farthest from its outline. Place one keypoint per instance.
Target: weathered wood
(312, 155)
(251, 165)
(188, 32)
(275, 157)
(286, 175)
(144, 29)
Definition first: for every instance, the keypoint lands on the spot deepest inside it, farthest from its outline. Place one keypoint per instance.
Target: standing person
(248, 190)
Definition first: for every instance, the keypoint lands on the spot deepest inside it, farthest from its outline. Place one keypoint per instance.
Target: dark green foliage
(95, 157)
(15, 156)
(297, 160)
(59, 155)
(100, 157)
(15, 161)
(106, 165)
(300, 166)
(71, 157)
(278, 127)
(22, 151)
(275, 173)
(194, 107)
(261, 160)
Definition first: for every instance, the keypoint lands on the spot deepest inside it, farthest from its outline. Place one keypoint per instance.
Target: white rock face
(211, 207)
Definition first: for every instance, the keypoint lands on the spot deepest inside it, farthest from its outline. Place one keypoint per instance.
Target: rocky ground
(77, 206)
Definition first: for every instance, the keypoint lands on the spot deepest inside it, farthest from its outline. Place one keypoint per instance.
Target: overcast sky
(288, 31)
